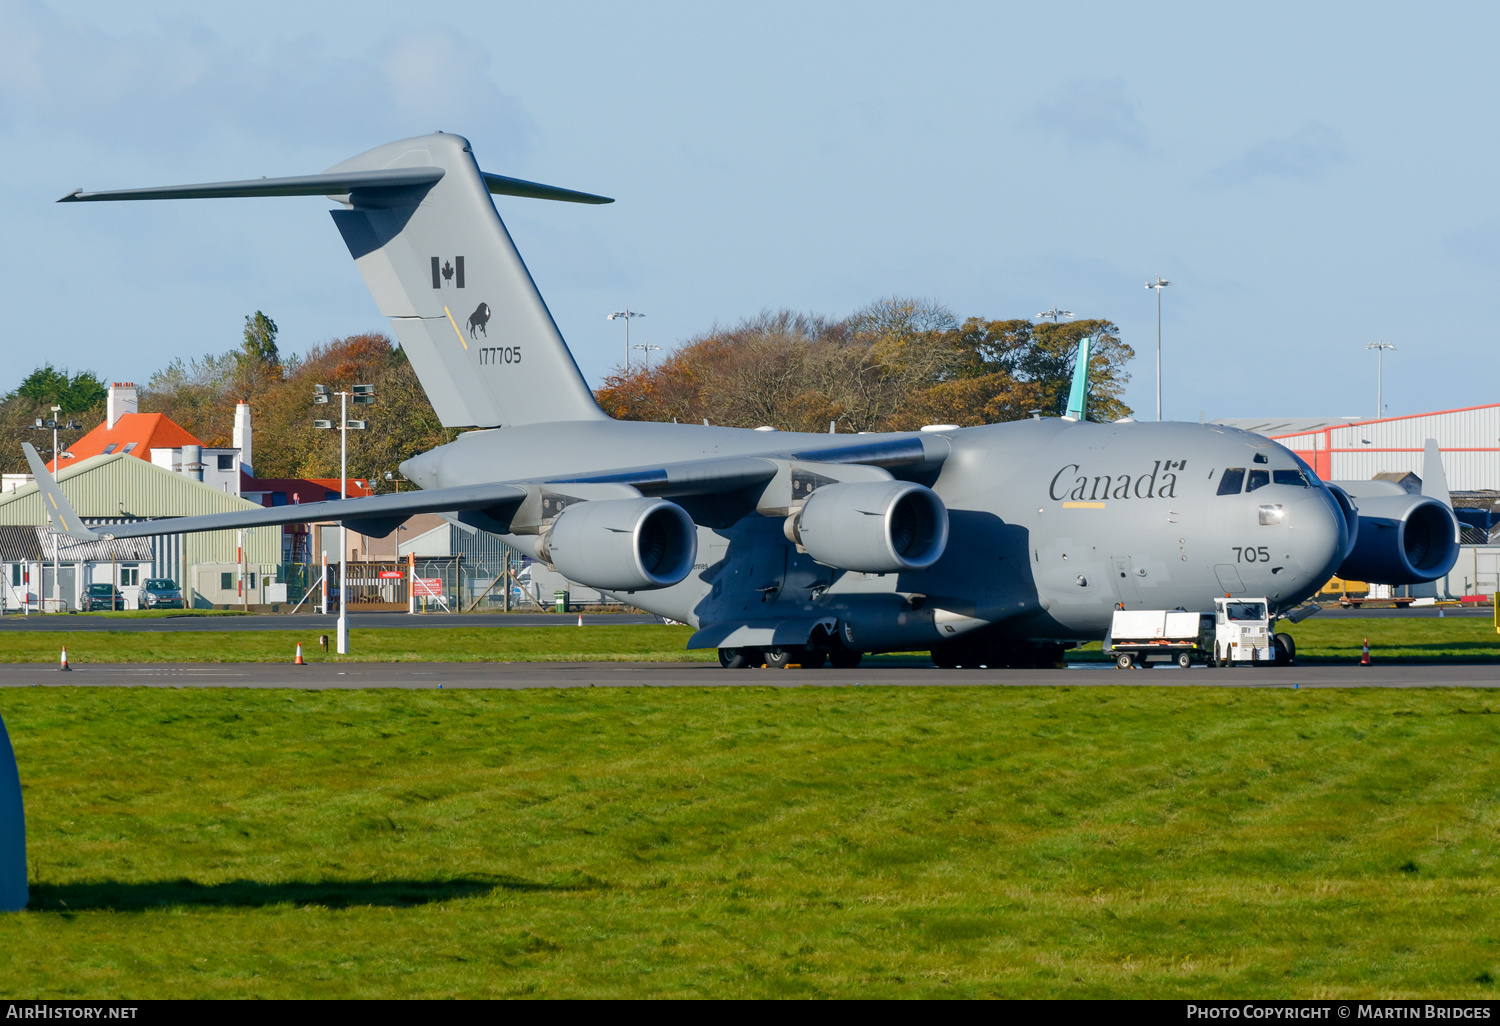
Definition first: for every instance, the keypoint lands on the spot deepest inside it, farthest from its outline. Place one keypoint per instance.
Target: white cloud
(1303, 156)
(1092, 112)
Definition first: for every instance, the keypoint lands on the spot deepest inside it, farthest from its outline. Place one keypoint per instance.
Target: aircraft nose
(1316, 534)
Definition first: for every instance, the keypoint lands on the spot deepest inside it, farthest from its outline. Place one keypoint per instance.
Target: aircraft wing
(375, 514)
(728, 473)
(493, 504)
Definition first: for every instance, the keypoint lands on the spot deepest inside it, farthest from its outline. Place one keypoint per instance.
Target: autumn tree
(895, 364)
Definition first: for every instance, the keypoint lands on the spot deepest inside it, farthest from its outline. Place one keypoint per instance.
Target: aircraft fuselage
(1053, 524)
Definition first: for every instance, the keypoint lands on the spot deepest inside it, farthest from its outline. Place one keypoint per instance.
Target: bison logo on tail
(478, 319)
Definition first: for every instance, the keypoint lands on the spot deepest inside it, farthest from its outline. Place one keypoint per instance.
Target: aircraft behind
(998, 545)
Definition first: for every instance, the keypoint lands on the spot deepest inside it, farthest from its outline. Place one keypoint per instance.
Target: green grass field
(642, 643)
(868, 842)
(1460, 639)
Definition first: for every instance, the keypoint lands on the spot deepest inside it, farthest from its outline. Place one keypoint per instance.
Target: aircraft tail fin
(424, 233)
(1434, 478)
(1078, 396)
(59, 510)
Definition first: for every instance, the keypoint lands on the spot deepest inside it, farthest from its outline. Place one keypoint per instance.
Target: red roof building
(133, 434)
(293, 491)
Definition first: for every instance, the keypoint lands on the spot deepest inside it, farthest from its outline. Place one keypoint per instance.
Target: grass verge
(1451, 639)
(870, 842)
(638, 643)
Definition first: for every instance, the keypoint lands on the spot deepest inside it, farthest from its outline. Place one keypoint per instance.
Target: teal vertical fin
(1080, 382)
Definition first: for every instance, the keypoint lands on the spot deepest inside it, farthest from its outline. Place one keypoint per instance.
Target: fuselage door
(1229, 579)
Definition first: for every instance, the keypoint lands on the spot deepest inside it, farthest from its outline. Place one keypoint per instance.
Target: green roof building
(120, 488)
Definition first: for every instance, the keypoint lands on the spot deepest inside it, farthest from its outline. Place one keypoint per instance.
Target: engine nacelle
(1402, 539)
(874, 527)
(622, 544)
(1350, 515)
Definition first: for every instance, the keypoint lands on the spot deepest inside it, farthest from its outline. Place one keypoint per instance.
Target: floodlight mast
(55, 423)
(625, 314)
(1159, 284)
(1380, 348)
(646, 349)
(363, 394)
(1054, 314)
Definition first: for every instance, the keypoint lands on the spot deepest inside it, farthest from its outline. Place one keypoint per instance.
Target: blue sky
(1310, 177)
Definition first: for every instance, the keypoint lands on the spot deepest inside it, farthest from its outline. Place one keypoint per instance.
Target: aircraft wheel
(1184, 660)
(1286, 650)
(845, 658)
(779, 658)
(1123, 661)
(733, 658)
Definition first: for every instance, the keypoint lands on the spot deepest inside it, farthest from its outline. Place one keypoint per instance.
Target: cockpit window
(1230, 483)
(1245, 610)
(1289, 477)
(1307, 472)
(1258, 479)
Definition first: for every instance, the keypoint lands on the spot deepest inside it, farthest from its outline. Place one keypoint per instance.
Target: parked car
(103, 596)
(161, 593)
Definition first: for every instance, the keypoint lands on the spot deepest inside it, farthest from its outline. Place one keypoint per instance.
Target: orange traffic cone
(298, 661)
(580, 619)
(63, 664)
(1364, 660)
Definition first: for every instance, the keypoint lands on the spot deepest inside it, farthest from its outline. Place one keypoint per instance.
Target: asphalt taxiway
(579, 675)
(315, 621)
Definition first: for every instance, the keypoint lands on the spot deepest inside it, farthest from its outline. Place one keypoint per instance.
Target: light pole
(54, 424)
(1054, 313)
(646, 349)
(1380, 348)
(363, 395)
(626, 314)
(1159, 284)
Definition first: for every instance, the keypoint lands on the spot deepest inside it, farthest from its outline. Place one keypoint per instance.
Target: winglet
(1434, 480)
(59, 510)
(1080, 382)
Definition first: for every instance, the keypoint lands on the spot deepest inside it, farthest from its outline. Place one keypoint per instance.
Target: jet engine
(874, 527)
(1402, 539)
(1351, 517)
(622, 544)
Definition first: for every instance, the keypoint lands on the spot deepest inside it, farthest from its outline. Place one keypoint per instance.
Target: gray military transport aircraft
(999, 545)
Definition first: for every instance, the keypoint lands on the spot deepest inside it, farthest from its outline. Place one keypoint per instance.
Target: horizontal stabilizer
(370, 513)
(332, 184)
(502, 186)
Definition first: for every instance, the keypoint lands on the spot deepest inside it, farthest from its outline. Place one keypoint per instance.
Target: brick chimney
(122, 400)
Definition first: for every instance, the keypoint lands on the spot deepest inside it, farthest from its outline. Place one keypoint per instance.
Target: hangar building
(118, 488)
(1349, 449)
